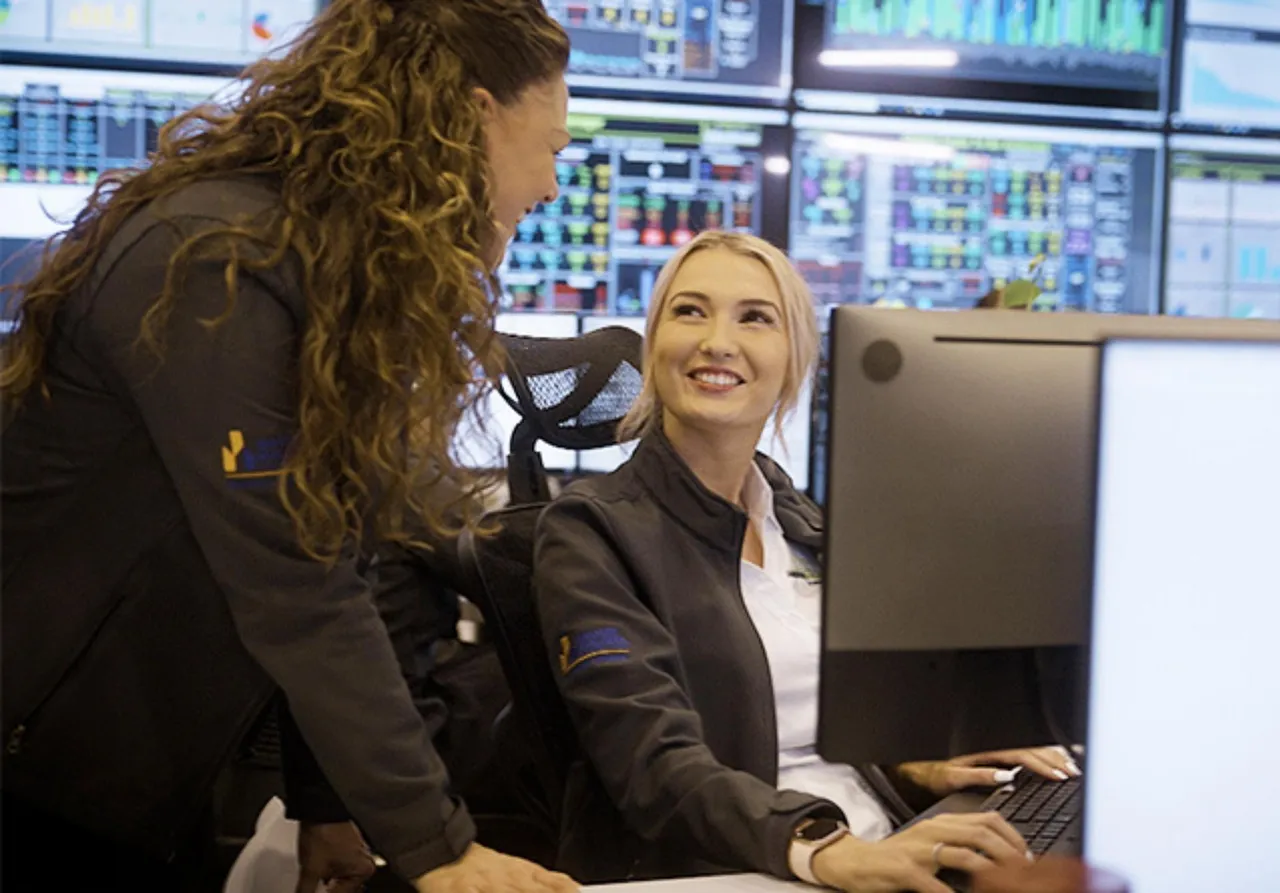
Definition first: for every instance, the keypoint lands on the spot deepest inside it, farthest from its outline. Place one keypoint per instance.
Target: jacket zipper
(14, 746)
(17, 735)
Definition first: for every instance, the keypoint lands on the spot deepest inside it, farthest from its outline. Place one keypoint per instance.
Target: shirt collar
(757, 497)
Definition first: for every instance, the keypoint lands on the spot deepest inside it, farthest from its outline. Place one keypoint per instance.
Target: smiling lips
(717, 379)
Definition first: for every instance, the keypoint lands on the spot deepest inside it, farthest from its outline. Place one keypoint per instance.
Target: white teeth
(719, 379)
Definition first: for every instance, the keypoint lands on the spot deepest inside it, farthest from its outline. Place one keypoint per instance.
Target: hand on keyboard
(909, 859)
(984, 770)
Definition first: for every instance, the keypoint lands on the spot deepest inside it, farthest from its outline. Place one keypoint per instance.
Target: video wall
(906, 153)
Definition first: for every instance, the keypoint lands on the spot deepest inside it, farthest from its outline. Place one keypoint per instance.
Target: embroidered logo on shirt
(594, 646)
(260, 459)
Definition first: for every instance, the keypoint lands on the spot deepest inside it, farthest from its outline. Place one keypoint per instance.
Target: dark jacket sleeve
(419, 613)
(635, 722)
(218, 407)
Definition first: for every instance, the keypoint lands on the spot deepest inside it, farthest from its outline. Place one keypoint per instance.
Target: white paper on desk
(729, 883)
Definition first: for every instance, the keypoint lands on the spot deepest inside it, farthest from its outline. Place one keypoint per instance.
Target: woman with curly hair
(239, 367)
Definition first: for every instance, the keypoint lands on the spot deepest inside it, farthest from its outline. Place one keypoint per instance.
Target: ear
(486, 101)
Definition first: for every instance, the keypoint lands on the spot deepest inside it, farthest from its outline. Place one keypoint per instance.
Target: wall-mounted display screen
(1033, 53)
(203, 33)
(692, 47)
(1223, 255)
(933, 214)
(1230, 54)
(638, 181)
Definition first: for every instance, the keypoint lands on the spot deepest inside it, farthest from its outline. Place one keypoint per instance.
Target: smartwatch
(811, 837)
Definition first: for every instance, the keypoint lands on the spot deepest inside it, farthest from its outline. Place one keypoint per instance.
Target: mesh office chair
(570, 393)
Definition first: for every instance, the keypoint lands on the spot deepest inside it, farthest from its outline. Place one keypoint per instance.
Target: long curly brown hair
(370, 128)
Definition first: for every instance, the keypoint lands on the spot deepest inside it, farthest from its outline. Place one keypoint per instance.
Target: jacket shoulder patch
(592, 646)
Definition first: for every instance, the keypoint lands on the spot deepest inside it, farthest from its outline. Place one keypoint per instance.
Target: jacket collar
(717, 521)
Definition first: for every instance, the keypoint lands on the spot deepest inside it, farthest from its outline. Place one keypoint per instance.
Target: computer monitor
(637, 182)
(186, 34)
(1184, 683)
(704, 48)
(932, 214)
(1064, 58)
(1229, 50)
(959, 522)
(1223, 255)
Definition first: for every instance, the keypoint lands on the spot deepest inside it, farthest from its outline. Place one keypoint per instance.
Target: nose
(719, 340)
(553, 190)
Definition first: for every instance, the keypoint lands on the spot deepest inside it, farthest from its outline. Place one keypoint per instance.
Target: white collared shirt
(786, 612)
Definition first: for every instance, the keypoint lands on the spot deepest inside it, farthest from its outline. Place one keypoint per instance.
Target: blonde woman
(679, 601)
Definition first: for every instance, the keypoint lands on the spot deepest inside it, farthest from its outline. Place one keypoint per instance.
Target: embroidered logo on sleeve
(253, 461)
(594, 646)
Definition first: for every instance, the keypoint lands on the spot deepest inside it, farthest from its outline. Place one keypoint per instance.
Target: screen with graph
(1230, 60)
(637, 182)
(933, 214)
(707, 47)
(1223, 256)
(225, 33)
(1094, 53)
(60, 129)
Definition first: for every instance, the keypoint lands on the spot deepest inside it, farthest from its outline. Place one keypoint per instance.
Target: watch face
(818, 829)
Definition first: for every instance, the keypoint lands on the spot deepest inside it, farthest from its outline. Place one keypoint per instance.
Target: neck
(720, 460)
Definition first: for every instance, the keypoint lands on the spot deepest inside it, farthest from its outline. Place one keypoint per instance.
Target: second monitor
(959, 520)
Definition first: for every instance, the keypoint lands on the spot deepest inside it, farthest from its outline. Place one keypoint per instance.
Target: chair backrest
(499, 574)
(570, 393)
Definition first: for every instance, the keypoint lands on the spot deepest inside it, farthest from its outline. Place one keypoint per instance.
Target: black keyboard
(1043, 811)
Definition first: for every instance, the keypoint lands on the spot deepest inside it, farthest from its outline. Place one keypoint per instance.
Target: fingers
(978, 777)
(557, 882)
(985, 831)
(1049, 762)
(962, 859)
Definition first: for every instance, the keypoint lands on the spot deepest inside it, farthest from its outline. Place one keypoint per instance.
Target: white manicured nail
(1004, 776)
(1060, 775)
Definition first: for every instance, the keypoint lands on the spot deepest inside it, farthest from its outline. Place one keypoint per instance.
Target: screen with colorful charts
(634, 187)
(933, 214)
(1230, 58)
(706, 47)
(1091, 53)
(1223, 256)
(60, 128)
(224, 33)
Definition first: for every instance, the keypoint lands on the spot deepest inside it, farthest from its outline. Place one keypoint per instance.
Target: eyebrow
(748, 302)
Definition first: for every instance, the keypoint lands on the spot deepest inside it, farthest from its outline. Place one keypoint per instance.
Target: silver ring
(937, 851)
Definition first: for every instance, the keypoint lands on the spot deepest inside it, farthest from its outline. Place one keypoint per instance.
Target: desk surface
(729, 883)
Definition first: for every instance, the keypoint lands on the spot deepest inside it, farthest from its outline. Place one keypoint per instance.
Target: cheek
(668, 359)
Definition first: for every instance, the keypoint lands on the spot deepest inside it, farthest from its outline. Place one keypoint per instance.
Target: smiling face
(522, 140)
(720, 350)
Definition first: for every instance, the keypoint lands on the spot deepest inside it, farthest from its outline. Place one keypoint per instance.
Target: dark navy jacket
(665, 677)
